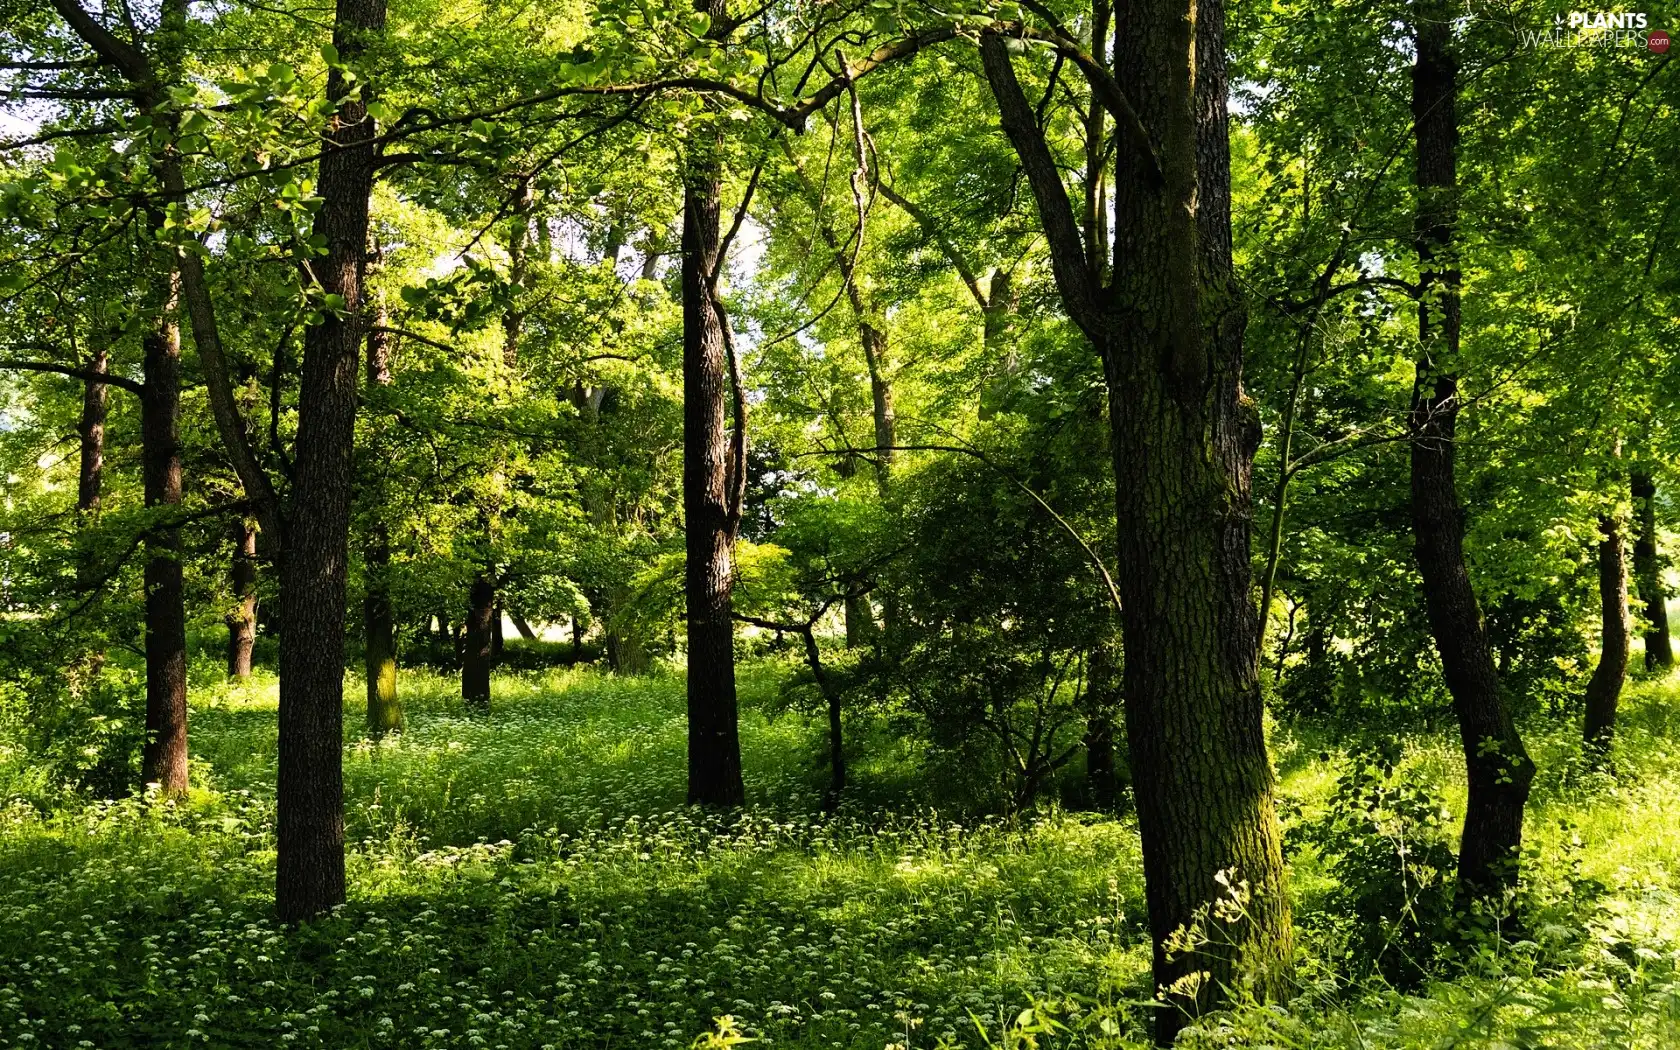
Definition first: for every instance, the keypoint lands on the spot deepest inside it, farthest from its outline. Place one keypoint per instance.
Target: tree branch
(86, 375)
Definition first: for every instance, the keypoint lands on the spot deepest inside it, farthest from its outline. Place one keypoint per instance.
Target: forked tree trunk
(164, 757)
(1604, 689)
(309, 873)
(714, 747)
(1659, 653)
(1497, 764)
(1170, 330)
(476, 653)
(242, 618)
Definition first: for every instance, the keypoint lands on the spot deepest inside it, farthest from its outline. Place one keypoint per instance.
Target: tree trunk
(384, 708)
(1498, 765)
(164, 758)
(1648, 571)
(524, 628)
(242, 619)
(309, 876)
(476, 654)
(714, 747)
(1604, 689)
(836, 730)
(1102, 706)
(91, 429)
(1170, 331)
(497, 642)
(379, 630)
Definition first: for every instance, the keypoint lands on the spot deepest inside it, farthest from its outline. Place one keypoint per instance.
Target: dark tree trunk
(476, 655)
(1604, 689)
(524, 628)
(836, 730)
(714, 747)
(1170, 332)
(1648, 571)
(164, 758)
(1498, 765)
(91, 429)
(242, 618)
(1102, 709)
(497, 642)
(577, 638)
(309, 876)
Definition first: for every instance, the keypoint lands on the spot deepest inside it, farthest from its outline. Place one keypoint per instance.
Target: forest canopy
(863, 523)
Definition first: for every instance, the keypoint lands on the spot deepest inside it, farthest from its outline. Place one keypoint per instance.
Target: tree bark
(242, 618)
(1170, 332)
(164, 757)
(476, 655)
(379, 629)
(1604, 689)
(1498, 765)
(714, 747)
(310, 866)
(1659, 653)
(524, 628)
(91, 429)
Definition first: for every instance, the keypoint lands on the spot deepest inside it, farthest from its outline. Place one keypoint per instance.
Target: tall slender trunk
(998, 317)
(476, 654)
(309, 876)
(1497, 764)
(90, 474)
(379, 628)
(242, 618)
(1170, 333)
(714, 746)
(1604, 689)
(1659, 653)
(164, 758)
(91, 430)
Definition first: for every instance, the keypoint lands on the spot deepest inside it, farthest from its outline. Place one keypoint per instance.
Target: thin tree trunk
(1604, 689)
(836, 730)
(714, 747)
(1498, 765)
(524, 628)
(1659, 653)
(476, 655)
(379, 629)
(309, 875)
(242, 619)
(90, 428)
(164, 758)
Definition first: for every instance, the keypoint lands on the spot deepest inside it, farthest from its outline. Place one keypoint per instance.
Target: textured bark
(1604, 689)
(1498, 766)
(310, 866)
(242, 618)
(1659, 653)
(164, 757)
(1169, 329)
(476, 654)
(714, 746)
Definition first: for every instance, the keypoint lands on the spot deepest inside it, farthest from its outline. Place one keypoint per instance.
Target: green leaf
(329, 54)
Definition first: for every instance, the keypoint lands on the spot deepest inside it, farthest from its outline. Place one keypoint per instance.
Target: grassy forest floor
(532, 880)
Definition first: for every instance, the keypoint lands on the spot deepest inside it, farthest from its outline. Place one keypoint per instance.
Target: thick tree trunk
(714, 747)
(476, 655)
(242, 618)
(1498, 765)
(1170, 333)
(1604, 689)
(164, 758)
(1659, 653)
(310, 867)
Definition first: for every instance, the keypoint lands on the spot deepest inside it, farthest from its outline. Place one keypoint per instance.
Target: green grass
(533, 879)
